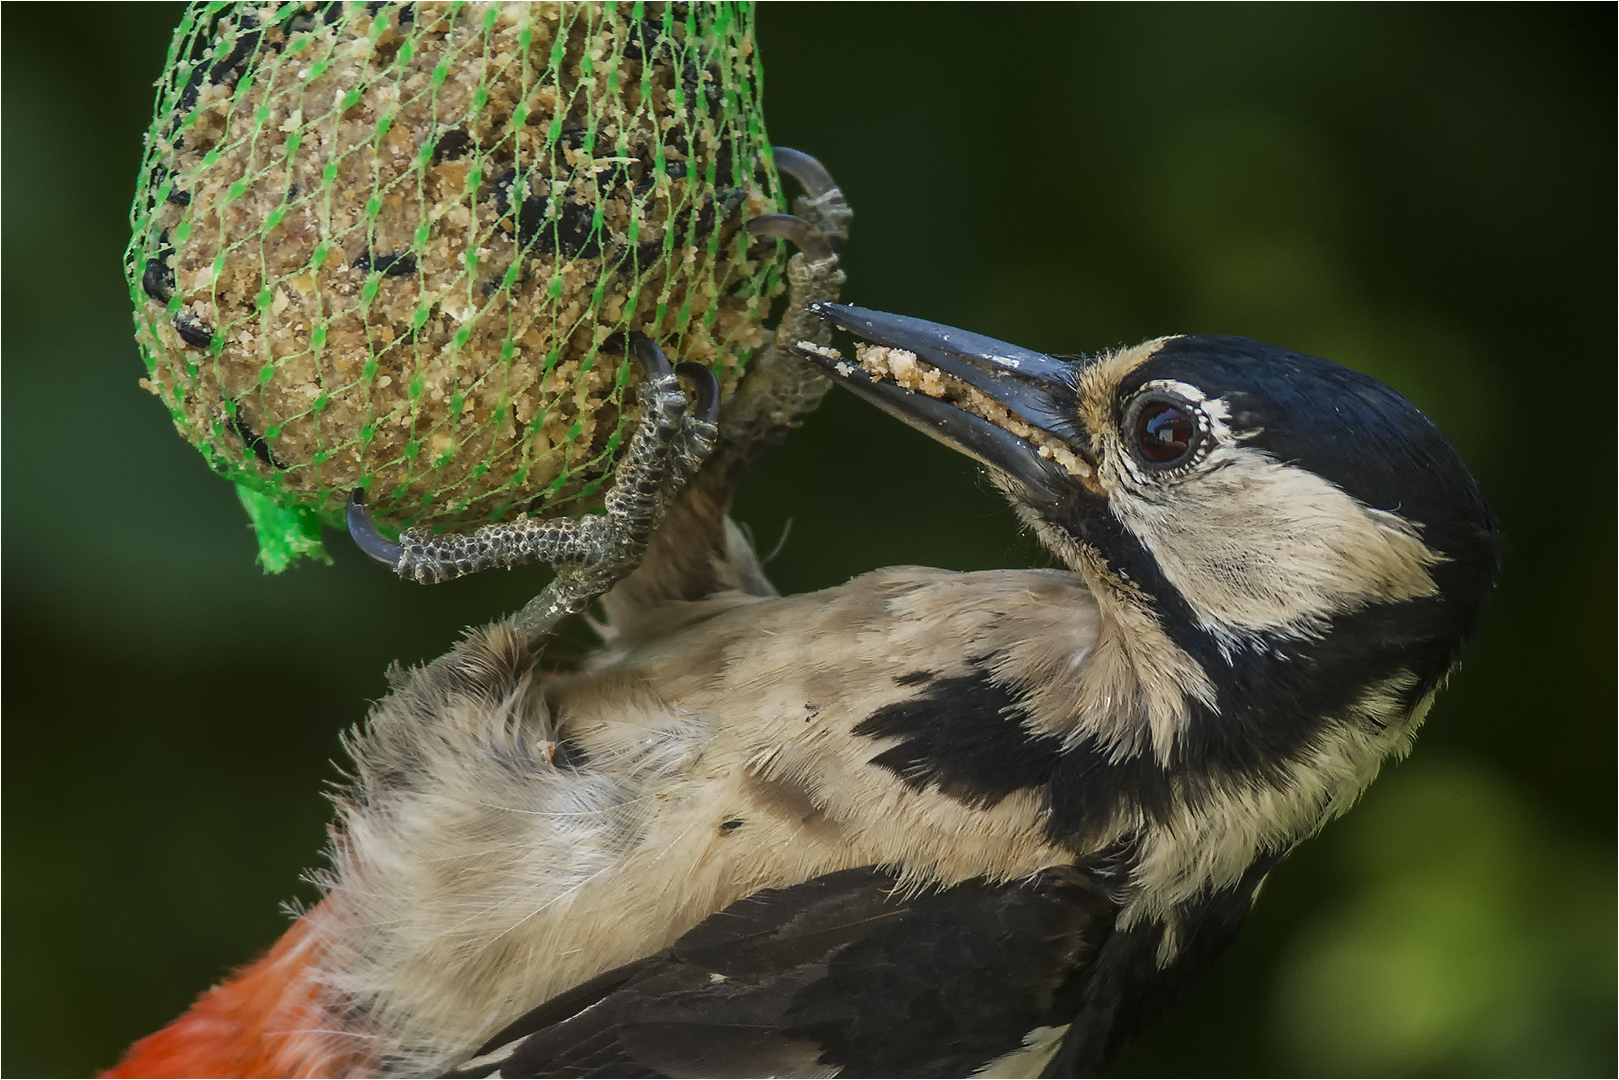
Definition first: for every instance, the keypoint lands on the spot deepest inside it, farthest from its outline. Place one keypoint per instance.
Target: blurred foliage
(1441, 955)
(1422, 192)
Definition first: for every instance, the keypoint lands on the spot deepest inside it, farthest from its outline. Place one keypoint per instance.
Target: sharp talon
(653, 363)
(809, 239)
(811, 174)
(705, 391)
(366, 537)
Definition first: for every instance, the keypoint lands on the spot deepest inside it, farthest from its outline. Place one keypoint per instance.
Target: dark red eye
(1164, 433)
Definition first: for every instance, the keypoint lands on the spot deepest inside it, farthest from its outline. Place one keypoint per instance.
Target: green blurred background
(1425, 193)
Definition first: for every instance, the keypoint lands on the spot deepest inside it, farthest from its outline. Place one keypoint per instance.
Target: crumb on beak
(907, 370)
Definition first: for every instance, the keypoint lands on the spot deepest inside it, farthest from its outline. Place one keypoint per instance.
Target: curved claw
(653, 363)
(705, 391)
(809, 239)
(366, 537)
(811, 174)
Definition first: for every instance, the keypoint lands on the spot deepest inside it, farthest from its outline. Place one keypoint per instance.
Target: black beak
(1037, 387)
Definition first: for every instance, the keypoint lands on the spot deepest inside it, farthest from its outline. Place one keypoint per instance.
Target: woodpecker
(924, 823)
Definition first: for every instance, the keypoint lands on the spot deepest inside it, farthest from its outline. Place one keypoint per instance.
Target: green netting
(394, 246)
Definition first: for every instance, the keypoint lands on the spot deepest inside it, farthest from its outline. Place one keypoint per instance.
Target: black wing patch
(967, 735)
(834, 977)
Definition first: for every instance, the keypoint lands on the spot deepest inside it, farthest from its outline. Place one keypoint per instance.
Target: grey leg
(590, 553)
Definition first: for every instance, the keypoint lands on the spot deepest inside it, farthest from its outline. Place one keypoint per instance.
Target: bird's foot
(780, 390)
(589, 553)
(822, 204)
(670, 443)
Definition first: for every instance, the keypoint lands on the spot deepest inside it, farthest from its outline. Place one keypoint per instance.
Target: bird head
(1271, 537)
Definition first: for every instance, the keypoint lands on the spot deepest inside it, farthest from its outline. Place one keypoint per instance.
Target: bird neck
(268, 1020)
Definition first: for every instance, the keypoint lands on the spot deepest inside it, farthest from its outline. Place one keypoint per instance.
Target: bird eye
(1165, 432)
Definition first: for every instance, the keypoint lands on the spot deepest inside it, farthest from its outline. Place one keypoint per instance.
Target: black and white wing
(839, 976)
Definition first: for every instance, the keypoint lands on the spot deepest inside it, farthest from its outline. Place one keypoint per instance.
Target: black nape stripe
(971, 737)
(1277, 696)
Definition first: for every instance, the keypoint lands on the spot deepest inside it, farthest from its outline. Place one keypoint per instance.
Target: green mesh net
(396, 246)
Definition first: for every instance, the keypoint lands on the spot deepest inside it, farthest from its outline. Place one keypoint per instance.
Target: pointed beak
(1037, 388)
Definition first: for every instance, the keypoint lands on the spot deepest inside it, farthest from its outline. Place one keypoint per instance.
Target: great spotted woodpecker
(921, 824)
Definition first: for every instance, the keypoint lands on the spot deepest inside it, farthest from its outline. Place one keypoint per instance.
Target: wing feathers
(837, 976)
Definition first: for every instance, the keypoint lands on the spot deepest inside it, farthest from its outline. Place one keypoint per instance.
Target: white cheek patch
(1256, 547)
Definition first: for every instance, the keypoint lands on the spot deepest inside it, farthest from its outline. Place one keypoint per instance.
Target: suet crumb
(905, 369)
(820, 350)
